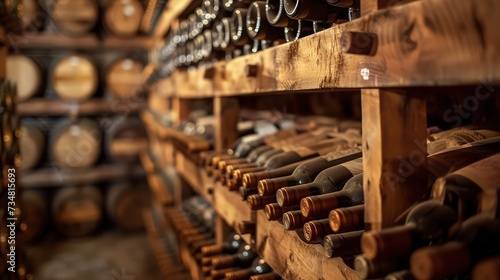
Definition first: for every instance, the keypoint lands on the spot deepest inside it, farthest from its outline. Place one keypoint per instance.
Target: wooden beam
(291, 258)
(181, 109)
(95, 106)
(394, 153)
(226, 119)
(423, 43)
(90, 41)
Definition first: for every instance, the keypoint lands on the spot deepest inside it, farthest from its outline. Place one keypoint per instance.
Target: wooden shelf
(55, 176)
(421, 43)
(293, 259)
(160, 179)
(285, 252)
(169, 267)
(90, 41)
(194, 176)
(45, 107)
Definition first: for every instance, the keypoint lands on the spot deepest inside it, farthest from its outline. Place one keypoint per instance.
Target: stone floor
(110, 255)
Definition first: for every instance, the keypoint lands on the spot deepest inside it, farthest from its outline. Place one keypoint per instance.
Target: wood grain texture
(226, 111)
(46, 107)
(423, 43)
(55, 177)
(293, 259)
(394, 153)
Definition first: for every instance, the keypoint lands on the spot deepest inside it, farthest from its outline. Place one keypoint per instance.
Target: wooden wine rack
(419, 47)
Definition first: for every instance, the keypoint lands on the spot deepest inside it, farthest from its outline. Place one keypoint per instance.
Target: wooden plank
(90, 41)
(423, 43)
(41, 106)
(293, 259)
(230, 207)
(395, 175)
(222, 230)
(193, 175)
(226, 112)
(55, 176)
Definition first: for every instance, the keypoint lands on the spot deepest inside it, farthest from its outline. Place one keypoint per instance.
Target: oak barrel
(126, 139)
(77, 211)
(124, 77)
(33, 18)
(27, 75)
(32, 145)
(123, 17)
(34, 215)
(125, 204)
(74, 78)
(75, 144)
(75, 17)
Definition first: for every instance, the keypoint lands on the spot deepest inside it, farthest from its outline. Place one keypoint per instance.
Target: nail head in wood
(251, 70)
(358, 43)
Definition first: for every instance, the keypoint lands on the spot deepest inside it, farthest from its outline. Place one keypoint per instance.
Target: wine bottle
(238, 174)
(243, 259)
(230, 5)
(224, 35)
(428, 222)
(311, 10)
(307, 172)
(370, 269)
(196, 246)
(347, 219)
(319, 205)
(300, 153)
(239, 34)
(245, 193)
(487, 269)
(245, 227)
(257, 202)
(343, 244)
(275, 212)
(251, 180)
(233, 167)
(477, 239)
(462, 189)
(343, 3)
(231, 246)
(258, 26)
(298, 29)
(275, 13)
(259, 266)
(315, 231)
(329, 180)
(293, 220)
(221, 273)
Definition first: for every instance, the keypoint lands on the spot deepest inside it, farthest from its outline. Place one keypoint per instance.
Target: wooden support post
(394, 153)
(226, 120)
(182, 190)
(182, 108)
(222, 229)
